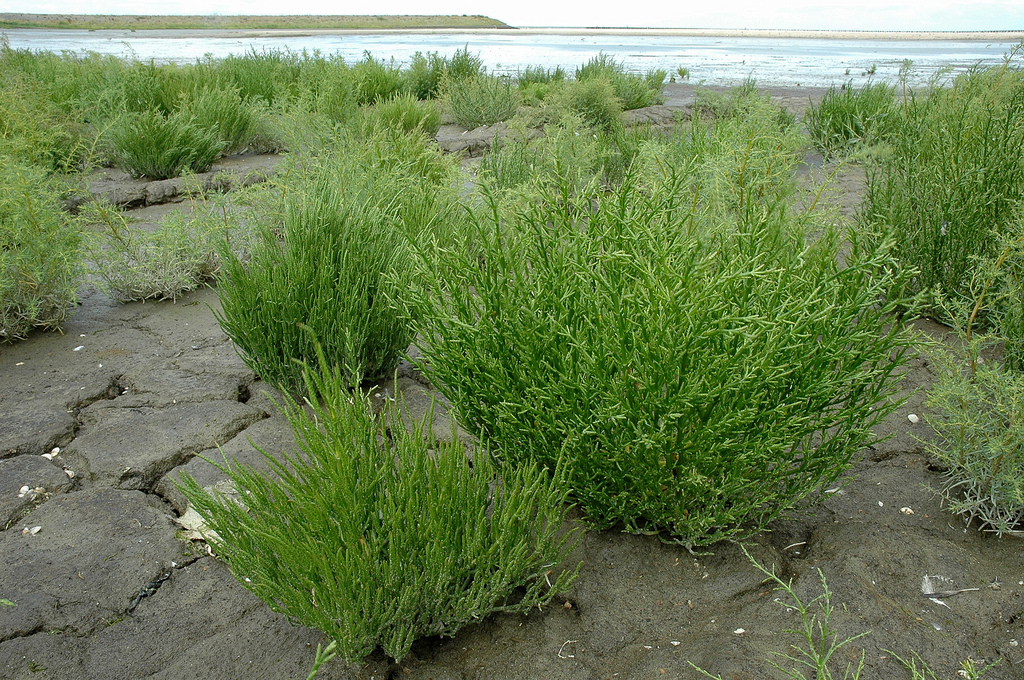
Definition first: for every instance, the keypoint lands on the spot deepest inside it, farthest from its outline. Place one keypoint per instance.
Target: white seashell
(80, 347)
(31, 532)
(23, 490)
(913, 418)
(739, 631)
(906, 511)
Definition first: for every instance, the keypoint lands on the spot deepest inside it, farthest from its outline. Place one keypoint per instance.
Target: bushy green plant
(377, 535)
(633, 90)
(463, 64)
(422, 79)
(701, 365)
(339, 271)
(539, 75)
(40, 259)
(375, 80)
(594, 100)
(404, 112)
(848, 118)
(952, 182)
(481, 100)
(223, 111)
(156, 146)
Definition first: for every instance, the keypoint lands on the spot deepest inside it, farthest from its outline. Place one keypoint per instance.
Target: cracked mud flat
(108, 588)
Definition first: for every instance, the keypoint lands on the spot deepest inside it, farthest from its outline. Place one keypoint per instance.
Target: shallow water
(807, 62)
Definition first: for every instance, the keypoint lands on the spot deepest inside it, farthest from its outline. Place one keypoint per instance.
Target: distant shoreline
(981, 36)
(300, 25)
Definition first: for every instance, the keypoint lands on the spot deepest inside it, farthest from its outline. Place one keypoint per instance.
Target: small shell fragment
(79, 348)
(913, 418)
(676, 643)
(70, 474)
(906, 511)
(739, 631)
(31, 532)
(55, 451)
(23, 490)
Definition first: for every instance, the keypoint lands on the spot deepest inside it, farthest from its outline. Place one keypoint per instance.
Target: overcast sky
(878, 15)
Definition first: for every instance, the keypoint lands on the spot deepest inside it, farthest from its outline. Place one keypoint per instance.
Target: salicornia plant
(700, 364)
(377, 535)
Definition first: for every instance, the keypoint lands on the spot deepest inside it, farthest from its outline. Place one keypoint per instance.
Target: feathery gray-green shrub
(687, 344)
(378, 535)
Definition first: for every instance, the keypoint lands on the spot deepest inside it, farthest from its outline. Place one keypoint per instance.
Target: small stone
(913, 418)
(881, 504)
(80, 347)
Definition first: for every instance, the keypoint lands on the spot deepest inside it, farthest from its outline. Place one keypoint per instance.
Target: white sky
(878, 15)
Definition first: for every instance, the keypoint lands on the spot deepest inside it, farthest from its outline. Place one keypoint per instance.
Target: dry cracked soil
(98, 581)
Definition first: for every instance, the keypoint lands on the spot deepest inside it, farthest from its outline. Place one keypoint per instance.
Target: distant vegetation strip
(117, 21)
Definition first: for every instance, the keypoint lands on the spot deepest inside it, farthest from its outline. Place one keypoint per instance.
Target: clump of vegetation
(654, 338)
(179, 256)
(375, 80)
(949, 188)
(156, 146)
(481, 100)
(427, 73)
(40, 257)
(634, 91)
(980, 428)
(404, 112)
(343, 264)
(980, 405)
(377, 535)
(223, 111)
(848, 118)
(595, 101)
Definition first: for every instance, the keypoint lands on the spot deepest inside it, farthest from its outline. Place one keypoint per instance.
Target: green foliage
(404, 112)
(152, 145)
(423, 77)
(539, 75)
(950, 187)
(427, 73)
(481, 100)
(701, 364)
(820, 641)
(375, 80)
(980, 426)
(39, 253)
(633, 90)
(377, 535)
(223, 111)
(341, 269)
(594, 100)
(847, 119)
